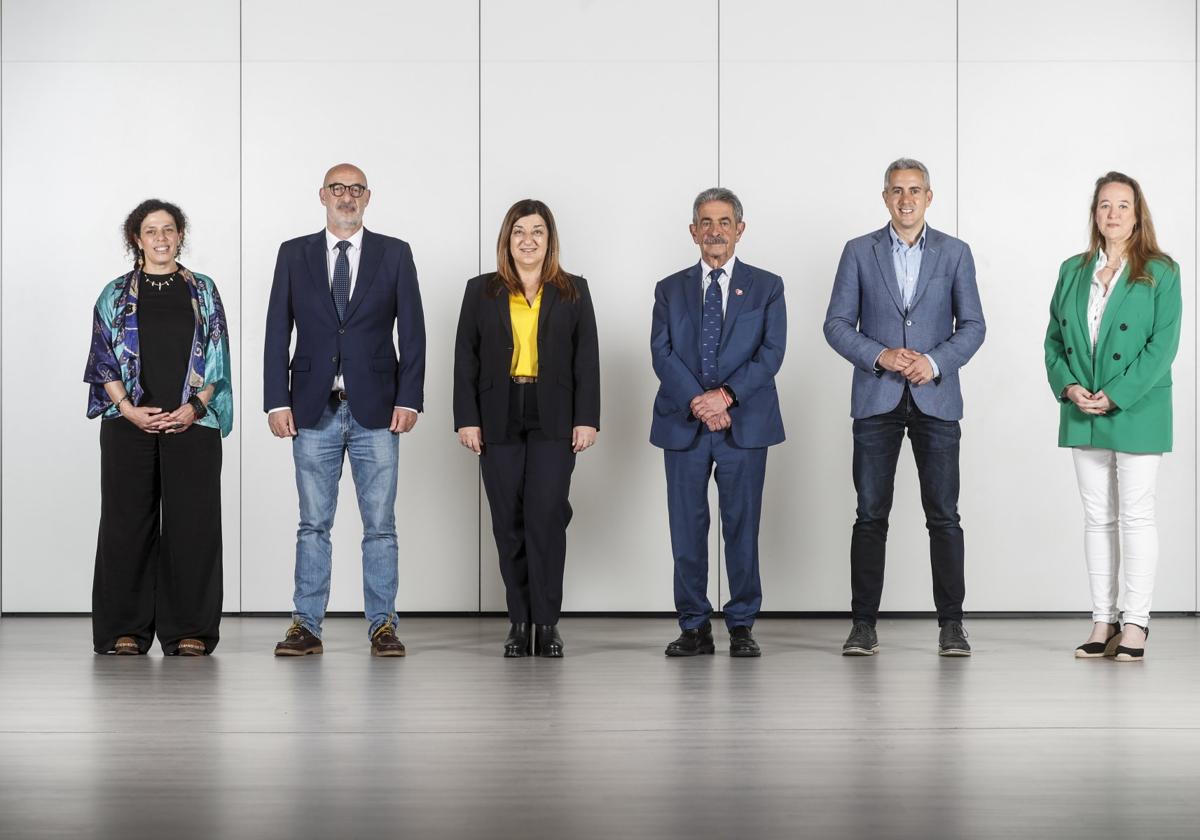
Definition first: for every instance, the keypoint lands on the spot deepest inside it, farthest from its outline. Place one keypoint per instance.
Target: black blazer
(568, 386)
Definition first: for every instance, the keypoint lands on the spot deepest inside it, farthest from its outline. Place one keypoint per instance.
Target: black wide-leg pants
(158, 554)
(527, 481)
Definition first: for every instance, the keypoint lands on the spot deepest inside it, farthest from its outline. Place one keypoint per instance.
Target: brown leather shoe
(191, 647)
(299, 641)
(385, 643)
(126, 646)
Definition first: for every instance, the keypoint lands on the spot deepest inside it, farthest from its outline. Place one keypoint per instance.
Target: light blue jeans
(374, 459)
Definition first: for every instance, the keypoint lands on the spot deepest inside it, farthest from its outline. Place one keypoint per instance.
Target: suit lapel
(549, 298)
(887, 270)
(740, 281)
(929, 261)
(505, 314)
(1116, 298)
(368, 267)
(1083, 290)
(691, 299)
(318, 269)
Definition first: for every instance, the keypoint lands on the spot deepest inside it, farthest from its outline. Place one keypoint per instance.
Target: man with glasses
(345, 290)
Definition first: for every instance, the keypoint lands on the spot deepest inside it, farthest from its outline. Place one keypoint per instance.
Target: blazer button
(1064, 322)
(908, 323)
(341, 330)
(1069, 351)
(1124, 326)
(335, 359)
(1116, 357)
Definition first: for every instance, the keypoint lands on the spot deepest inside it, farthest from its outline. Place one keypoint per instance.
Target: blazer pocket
(383, 365)
(301, 364)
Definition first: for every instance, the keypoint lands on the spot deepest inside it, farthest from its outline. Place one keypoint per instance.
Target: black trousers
(527, 481)
(935, 445)
(158, 554)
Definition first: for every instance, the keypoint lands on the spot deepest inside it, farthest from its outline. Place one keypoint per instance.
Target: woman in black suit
(527, 401)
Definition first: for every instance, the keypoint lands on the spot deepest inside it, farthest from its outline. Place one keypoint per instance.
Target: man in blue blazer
(717, 341)
(345, 389)
(905, 312)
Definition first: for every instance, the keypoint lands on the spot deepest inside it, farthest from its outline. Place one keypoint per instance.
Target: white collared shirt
(723, 282)
(1098, 296)
(353, 254)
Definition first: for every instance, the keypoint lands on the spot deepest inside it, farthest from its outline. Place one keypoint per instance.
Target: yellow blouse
(524, 327)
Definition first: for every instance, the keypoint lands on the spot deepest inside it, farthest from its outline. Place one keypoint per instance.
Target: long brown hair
(1143, 244)
(552, 270)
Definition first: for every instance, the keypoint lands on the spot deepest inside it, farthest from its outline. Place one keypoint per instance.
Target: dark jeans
(877, 442)
(527, 480)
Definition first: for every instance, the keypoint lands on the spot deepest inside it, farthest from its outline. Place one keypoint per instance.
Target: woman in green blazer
(1113, 333)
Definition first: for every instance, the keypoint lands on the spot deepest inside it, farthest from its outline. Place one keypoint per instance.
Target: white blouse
(1098, 297)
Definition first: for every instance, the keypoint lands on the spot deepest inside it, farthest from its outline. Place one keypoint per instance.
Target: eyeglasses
(356, 190)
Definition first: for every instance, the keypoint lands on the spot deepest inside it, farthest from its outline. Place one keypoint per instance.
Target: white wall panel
(397, 95)
(1043, 113)
(92, 125)
(605, 122)
(814, 107)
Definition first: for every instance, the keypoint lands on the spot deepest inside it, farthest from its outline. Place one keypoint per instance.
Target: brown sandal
(191, 647)
(126, 646)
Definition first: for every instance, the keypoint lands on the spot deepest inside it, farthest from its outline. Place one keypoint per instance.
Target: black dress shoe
(952, 640)
(1095, 650)
(741, 642)
(693, 642)
(1128, 654)
(547, 642)
(519, 641)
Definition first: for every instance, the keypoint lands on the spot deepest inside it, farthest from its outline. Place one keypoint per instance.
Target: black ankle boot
(519, 641)
(547, 642)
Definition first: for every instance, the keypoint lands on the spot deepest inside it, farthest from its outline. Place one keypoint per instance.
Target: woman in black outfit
(160, 375)
(527, 400)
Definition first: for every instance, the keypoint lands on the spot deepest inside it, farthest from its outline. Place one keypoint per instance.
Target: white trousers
(1119, 489)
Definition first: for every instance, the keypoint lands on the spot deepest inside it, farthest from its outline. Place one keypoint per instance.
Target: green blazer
(1138, 337)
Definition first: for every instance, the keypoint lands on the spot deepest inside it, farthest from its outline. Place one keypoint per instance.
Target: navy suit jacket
(866, 315)
(750, 354)
(385, 300)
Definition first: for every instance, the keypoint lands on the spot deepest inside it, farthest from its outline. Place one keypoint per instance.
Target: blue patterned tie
(341, 280)
(710, 331)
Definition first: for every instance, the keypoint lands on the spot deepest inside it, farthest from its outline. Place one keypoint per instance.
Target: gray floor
(615, 740)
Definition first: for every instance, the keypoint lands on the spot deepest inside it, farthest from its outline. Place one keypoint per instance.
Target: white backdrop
(615, 114)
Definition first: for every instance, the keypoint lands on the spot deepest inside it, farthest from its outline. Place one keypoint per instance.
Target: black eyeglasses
(356, 190)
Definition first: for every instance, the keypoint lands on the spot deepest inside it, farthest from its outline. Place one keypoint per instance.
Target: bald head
(344, 213)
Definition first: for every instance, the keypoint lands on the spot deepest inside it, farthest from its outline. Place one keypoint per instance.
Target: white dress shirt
(1098, 296)
(723, 282)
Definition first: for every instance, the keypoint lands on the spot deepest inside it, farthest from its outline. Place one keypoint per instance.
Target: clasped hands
(712, 409)
(910, 364)
(154, 420)
(1088, 403)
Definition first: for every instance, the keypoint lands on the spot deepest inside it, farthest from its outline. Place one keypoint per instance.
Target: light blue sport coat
(866, 316)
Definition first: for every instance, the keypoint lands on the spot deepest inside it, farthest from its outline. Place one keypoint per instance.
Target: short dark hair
(133, 222)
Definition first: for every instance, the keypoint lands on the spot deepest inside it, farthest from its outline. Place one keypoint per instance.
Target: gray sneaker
(862, 640)
(952, 640)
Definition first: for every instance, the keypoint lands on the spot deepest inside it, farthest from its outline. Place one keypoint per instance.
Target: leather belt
(524, 380)
(339, 395)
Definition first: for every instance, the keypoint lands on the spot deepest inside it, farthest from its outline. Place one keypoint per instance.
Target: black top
(166, 327)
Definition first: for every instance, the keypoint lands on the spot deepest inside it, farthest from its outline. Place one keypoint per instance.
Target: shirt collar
(897, 242)
(705, 270)
(1102, 260)
(355, 241)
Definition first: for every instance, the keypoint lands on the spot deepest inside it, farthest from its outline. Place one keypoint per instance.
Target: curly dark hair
(133, 222)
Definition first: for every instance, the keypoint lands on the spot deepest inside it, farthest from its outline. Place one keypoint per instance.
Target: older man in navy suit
(905, 312)
(347, 389)
(717, 341)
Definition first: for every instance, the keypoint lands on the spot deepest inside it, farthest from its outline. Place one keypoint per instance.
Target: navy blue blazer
(385, 301)
(749, 355)
(866, 315)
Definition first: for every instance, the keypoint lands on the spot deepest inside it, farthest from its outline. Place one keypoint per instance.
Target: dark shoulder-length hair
(552, 270)
(1143, 244)
(133, 223)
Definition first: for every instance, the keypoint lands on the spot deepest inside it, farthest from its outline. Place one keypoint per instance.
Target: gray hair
(905, 163)
(717, 194)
